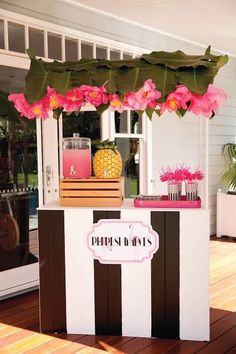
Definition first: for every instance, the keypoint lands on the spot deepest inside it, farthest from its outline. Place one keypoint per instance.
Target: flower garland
(180, 100)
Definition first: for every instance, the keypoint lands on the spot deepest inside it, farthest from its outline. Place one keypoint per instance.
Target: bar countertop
(127, 204)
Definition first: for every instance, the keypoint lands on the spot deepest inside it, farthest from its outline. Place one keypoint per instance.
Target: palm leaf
(178, 59)
(229, 177)
(36, 81)
(230, 153)
(196, 79)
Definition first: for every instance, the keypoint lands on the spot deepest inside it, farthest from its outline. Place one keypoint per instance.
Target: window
(86, 50)
(101, 53)
(127, 56)
(71, 49)
(16, 37)
(128, 132)
(129, 150)
(36, 41)
(1, 34)
(54, 46)
(128, 122)
(114, 54)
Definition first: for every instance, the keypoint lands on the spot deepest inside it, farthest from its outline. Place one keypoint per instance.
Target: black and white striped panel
(153, 298)
(131, 299)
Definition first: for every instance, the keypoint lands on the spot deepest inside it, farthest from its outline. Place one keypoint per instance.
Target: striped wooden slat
(172, 274)
(158, 277)
(165, 276)
(136, 288)
(107, 283)
(52, 270)
(79, 272)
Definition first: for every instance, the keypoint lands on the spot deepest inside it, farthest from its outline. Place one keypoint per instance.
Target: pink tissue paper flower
(39, 109)
(94, 95)
(115, 103)
(145, 96)
(53, 99)
(176, 99)
(209, 103)
(72, 101)
(22, 106)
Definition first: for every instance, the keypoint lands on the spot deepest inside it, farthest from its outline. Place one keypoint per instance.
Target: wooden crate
(92, 192)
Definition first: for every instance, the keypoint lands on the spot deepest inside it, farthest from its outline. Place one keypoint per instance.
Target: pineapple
(107, 162)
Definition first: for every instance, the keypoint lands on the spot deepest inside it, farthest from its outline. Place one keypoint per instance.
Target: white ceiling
(207, 22)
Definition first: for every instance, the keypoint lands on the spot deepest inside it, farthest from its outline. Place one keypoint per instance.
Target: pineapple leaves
(107, 144)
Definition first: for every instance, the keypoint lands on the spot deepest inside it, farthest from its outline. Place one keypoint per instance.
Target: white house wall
(222, 130)
(173, 140)
(176, 140)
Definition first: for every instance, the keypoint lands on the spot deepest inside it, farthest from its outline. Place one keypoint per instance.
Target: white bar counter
(165, 295)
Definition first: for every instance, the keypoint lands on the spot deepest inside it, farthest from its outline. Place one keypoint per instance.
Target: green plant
(229, 176)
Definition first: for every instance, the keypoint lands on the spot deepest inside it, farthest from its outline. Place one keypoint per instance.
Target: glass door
(18, 194)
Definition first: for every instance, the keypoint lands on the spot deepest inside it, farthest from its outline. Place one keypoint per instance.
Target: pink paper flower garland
(147, 96)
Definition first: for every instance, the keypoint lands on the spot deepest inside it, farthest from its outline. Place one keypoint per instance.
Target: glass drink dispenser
(76, 157)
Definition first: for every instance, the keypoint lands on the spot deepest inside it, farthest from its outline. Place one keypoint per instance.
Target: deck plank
(222, 344)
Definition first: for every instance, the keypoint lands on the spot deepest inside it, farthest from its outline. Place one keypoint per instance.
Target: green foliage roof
(166, 69)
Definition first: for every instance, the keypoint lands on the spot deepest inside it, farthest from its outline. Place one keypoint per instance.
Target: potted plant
(229, 176)
(226, 202)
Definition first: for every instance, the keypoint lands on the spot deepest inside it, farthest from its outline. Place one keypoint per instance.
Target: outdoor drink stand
(134, 267)
(114, 266)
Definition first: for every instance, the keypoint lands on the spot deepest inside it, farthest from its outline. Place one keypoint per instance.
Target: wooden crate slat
(90, 185)
(91, 179)
(88, 193)
(90, 202)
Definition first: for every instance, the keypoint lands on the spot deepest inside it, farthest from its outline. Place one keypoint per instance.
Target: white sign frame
(116, 241)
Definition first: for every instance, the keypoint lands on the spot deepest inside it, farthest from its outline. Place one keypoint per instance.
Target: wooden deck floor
(19, 322)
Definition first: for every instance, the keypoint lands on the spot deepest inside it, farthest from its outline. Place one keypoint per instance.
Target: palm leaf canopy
(166, 69)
